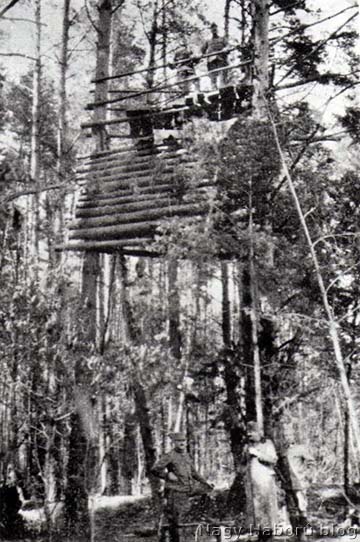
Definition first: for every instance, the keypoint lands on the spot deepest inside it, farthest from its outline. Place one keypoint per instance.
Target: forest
(247, 311)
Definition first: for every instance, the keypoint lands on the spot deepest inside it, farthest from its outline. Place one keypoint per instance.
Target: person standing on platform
(185, 62)
(181, 482)
(216, 44)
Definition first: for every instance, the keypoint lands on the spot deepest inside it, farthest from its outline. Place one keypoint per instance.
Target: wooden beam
(154, 68)
(102, 245)
(170, 207)
(133, 164)
(106, 183)
(159, 200)
(141, 195)
(131, 195)
(123, 196)
(103, 156)
(109, 186)
(122, 120)
(133, 191)
(174, 84)
(175, 209)
(136, 229)
(94, 207)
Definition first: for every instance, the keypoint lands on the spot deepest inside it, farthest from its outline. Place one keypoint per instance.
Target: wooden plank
(123, 196)
(123, 171)
(174, 84)
(104, 154)
(130, 231)
(108, 186)
(125, 215)
(131, 150)
(123, 120)
(144, 229)
(176, 209)
(105, 182)
(132, 166)
(138, 157)
(161, 66)
(113, 245)
(135, 205)
(135, 194)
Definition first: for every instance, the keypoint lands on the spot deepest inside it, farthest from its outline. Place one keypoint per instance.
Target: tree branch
(305, 26)
(120, 5)
(292, 6)
(19, 55)
(90, 18)
(22, 20)
(17, 195)
(290, 400)
(322, 77)
(9, 6)
(319, 46)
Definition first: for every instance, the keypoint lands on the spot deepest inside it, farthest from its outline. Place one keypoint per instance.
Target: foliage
(19, 100)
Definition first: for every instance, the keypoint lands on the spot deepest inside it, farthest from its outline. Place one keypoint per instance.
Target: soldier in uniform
(216, 44)
(181, 482)
(185, 62)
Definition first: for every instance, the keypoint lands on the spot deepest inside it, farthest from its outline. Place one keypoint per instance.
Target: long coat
(260, 486)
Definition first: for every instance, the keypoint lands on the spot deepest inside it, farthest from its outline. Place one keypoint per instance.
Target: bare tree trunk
(231, 374)
(35, 130)
(261, 60)
(225, 306)
(174, 310)
(254, 321)
(227, 18)
(164, 38)
(153, 34)
(62, 121)
(140, 397)
(102, 69)
(82, 475)
(62, 124)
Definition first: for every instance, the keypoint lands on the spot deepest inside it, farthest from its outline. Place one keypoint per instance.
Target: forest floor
(135, 519)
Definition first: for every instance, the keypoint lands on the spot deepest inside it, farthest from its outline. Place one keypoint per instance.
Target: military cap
(179, 436)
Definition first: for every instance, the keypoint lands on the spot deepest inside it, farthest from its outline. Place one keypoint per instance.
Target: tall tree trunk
(62, 121)
(174, 310)
(231, 375)
(234, 426)
(140, 397)
(62, 124)
(35, 130)
(254, 320)
(164, 38)
(81, 475)
(261, 59)
(153, 35)
(102, 69)
(227, 18)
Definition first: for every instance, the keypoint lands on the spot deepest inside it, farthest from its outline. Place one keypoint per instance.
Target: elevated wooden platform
(128, 192)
